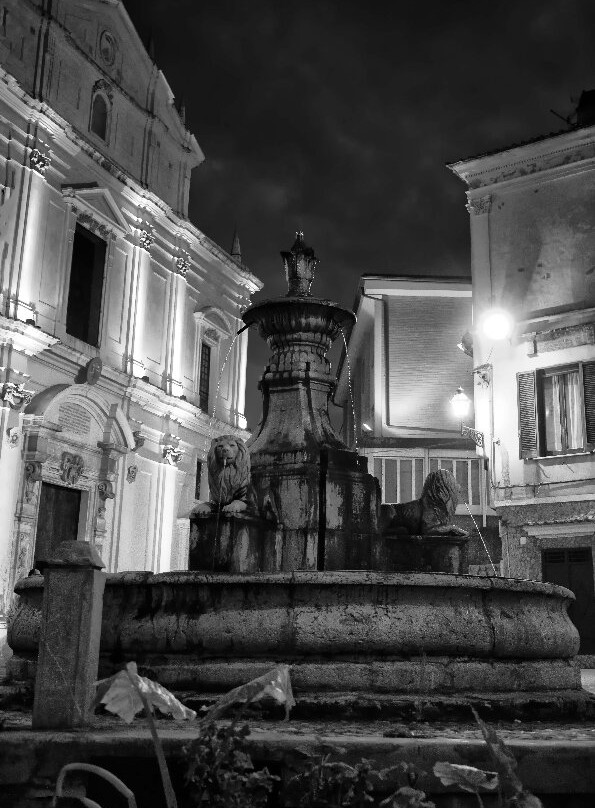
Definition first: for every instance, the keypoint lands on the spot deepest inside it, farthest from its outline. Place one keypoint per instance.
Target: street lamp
(496, 324)
(460, 404)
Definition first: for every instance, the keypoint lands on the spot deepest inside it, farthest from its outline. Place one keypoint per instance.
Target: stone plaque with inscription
(74, 418)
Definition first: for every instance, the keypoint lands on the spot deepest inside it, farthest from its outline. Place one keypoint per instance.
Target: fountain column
(318, 490)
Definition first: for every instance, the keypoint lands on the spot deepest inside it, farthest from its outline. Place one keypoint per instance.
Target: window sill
(563, 457)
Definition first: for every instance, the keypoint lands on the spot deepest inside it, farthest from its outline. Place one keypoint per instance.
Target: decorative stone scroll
(105, 490)
(32, 476)
(71, 466)
(15, 395)
(478, 205)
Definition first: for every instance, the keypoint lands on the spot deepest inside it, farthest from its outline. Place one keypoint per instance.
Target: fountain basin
(341, 631)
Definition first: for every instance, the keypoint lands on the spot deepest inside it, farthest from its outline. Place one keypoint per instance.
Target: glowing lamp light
(460, 403)
(366, 427)
(497, 324)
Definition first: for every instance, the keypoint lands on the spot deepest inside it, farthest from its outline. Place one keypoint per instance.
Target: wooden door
(58, 518)
(573, 568)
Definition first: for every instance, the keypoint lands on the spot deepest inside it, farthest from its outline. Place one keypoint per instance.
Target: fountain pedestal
(319, 491)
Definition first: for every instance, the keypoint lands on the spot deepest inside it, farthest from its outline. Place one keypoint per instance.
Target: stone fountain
(297, 564)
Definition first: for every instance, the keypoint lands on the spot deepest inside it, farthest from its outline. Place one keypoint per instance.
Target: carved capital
(171, 454)
(39, 161)
(71, 468)
(146, 239)
(479, 205)
(182, 262)
(15, 395)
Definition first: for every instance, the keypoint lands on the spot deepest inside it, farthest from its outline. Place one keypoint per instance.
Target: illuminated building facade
(533, 254)
(405, 367)
(116, 313)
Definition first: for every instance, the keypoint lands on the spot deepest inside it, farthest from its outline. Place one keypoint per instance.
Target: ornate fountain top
(300, 263)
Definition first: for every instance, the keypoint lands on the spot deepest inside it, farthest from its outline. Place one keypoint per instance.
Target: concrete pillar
(68, 657)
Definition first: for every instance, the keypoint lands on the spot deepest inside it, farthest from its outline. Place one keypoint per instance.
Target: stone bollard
(68, 656)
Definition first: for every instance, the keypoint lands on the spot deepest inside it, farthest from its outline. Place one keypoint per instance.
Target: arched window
(99, 116)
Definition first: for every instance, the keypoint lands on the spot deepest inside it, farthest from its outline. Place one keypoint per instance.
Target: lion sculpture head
(228, 464)
(432, 512)
(439, 497)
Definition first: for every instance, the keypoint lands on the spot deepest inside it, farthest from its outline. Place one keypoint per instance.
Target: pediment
(100, 205)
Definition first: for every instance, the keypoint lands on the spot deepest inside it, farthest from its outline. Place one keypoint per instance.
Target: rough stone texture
(69, 637)
(361, 631)
(220, 542)
(521, 552)
(428, 553)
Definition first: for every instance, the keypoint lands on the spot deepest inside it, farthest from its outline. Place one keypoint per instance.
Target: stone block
(69, 637)
(221, 542)
(440, 553)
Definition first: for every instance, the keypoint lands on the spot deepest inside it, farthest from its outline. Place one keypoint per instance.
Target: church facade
(116, 313)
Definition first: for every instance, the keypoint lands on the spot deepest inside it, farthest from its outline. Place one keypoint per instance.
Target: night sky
(337, 118)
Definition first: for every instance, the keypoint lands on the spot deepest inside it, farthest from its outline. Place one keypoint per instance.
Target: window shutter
(589, 396)
(527, 393)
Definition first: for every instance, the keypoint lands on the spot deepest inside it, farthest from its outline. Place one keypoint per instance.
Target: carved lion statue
(228, 464)
(432, 513)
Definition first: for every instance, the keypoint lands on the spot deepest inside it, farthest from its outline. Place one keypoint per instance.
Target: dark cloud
(338, 117)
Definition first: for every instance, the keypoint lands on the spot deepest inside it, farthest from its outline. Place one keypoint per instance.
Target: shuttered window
(589, 394)
(556, 410)
(205, 377)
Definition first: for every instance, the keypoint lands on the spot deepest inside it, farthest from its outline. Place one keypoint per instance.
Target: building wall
(405, 368)
(121, 421)
(532, 246)
(424, 364)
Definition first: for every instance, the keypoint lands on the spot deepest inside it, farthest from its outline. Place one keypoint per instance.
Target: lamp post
(460, 406)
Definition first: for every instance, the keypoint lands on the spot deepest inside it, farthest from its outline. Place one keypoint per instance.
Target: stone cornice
(157, 402)
(559, 151)
(25, 338)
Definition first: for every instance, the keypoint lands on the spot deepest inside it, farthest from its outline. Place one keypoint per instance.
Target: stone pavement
(553, 759)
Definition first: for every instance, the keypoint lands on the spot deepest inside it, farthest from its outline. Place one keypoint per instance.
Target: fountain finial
(300, 263)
